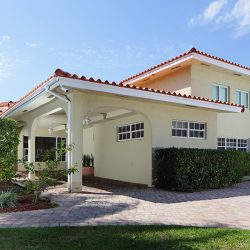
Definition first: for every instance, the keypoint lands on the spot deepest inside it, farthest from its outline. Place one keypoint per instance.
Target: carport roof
(64, 74)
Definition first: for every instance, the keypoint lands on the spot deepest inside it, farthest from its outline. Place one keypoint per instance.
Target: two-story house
(194, 100)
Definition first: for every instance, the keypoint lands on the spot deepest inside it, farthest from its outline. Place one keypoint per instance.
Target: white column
(31, 154)
(75, 124)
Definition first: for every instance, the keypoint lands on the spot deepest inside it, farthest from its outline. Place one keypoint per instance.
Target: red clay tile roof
(61, 73)
(29, 93)
(5, 105)
(193, 50)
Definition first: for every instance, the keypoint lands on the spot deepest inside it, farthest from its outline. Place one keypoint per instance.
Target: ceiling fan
(105, 116)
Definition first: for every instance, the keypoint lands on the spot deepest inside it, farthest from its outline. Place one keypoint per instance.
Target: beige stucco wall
(88, 140)
(124, 160)
(229, 125)
(178, 81)
(131, 160)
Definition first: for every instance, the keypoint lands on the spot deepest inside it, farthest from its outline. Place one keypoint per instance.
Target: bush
(8, 198)
(191, 169)
(9, 139)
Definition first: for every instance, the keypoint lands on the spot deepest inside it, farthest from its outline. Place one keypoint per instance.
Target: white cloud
(238, 16)
(213, 9)
(5, 66)
(5, 40)
(31, 45)
(209, 14)
(241, 15)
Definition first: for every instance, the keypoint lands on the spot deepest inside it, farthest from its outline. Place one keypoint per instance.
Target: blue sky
(112, 39)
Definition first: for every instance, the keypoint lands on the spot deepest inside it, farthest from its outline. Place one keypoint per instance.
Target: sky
(112, 39)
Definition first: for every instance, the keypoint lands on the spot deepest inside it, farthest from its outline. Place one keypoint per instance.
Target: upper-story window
(220, 93)
(242, 98)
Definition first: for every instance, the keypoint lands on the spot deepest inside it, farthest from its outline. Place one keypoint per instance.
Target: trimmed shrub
(8, 198)
(191, 169)
(9, 140)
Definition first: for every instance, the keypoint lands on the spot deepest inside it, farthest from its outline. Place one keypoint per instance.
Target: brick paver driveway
(229, 207)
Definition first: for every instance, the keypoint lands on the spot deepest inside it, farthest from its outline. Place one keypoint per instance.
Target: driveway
(115, 205)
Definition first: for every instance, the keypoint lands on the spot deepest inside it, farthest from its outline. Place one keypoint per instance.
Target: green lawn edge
(124, 237)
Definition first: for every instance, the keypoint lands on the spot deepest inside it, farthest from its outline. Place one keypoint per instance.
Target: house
(193, 100)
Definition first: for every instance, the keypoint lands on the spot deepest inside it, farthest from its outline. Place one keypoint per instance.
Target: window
(220, 93)
(43, 144)
(130, 131)
(180, 128)
(242, 98)
(61, 142)
(232, 144)
(25, 148)
(189, 129)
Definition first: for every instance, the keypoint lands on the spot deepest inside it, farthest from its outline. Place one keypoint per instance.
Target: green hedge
(9, 140)
(191, 169)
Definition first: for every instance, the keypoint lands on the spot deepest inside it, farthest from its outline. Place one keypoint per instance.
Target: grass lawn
(124, 237)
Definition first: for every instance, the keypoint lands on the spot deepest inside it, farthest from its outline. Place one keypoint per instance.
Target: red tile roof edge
(193, 50)
(28, 94)
(61, 73)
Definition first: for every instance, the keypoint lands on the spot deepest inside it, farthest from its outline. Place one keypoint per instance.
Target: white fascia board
(146, 95)
(160, 68)
(196, 56)
(29, 99)
(221, 64)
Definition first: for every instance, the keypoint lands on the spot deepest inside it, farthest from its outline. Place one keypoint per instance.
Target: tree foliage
(9, 140)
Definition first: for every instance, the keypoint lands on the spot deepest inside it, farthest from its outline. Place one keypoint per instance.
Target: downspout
(65, 99)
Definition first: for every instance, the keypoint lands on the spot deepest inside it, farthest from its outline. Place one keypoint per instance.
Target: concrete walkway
(112, 205)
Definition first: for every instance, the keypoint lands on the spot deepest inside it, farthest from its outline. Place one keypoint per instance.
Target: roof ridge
(192, 50)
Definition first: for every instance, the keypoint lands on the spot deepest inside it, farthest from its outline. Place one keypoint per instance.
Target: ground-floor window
(25, 148)
(130, 131)
(43, 144)
(232, 144)
(189, 129)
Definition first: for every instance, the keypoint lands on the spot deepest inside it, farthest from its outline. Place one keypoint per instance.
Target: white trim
(160, 68)
(27, 100)
(148, 95)
(105, 88)
(221, 64)
(195, 56)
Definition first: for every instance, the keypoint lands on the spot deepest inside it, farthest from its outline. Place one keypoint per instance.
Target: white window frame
(56, 138)
(222, 86)
(130, 132)
(188, 129)
(228, 147)
(25, 155)
(245, 92)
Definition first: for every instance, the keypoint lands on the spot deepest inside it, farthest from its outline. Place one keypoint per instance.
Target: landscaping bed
(25, 202)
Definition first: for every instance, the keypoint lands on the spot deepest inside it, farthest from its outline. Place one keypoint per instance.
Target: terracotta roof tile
(61, 73)
(193, 50)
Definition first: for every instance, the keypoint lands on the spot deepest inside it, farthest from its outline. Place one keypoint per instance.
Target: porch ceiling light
(86, 120)
(50, 129)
